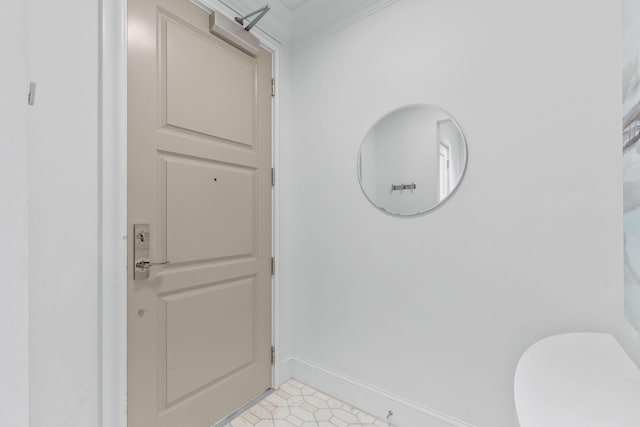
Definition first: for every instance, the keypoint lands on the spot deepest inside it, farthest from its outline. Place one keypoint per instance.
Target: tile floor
(298, 405)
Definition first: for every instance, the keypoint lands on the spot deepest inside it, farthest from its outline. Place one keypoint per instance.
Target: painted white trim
(286, 370)
(113, 214)
(369, 398)
(113, 209)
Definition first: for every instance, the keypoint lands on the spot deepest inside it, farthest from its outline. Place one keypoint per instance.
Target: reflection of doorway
(451, 154)
(444, 162)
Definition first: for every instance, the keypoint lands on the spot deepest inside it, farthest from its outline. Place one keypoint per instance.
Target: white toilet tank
(577, 380)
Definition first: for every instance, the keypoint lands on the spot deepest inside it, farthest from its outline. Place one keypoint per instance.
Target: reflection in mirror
(412, 160)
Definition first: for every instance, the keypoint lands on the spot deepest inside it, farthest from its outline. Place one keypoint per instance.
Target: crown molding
(317, 19)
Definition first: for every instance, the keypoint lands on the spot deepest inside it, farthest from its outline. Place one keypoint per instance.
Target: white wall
(14, 380)
(438, 309)
(63, 215)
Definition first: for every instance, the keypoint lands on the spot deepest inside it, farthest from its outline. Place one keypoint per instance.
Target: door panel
(198, 357)
(210, 202)
(192, 61)
(199, 170)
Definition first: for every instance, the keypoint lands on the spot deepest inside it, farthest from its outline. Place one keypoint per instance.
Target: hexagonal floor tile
(297, 405)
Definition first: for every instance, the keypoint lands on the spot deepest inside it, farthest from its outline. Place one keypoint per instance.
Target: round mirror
(412, 160)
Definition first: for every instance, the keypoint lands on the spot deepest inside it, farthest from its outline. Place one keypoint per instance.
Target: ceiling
(293, 4)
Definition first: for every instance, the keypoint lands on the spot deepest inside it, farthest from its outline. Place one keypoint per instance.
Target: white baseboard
(285, 372)
(368, 398)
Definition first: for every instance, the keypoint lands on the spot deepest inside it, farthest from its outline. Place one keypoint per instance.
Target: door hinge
(273, 176)
(273, 87)
(273, 355)
(273, 266)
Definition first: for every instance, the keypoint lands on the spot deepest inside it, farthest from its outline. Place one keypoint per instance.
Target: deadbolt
(142, 237)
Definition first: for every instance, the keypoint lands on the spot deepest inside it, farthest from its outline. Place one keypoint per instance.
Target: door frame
(112, 195)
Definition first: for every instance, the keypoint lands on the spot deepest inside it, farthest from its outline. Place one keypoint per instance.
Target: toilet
(577, 380)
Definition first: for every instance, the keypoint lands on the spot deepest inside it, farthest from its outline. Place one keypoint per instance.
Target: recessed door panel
(210, 210)
(210, 88)
(199, 357)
